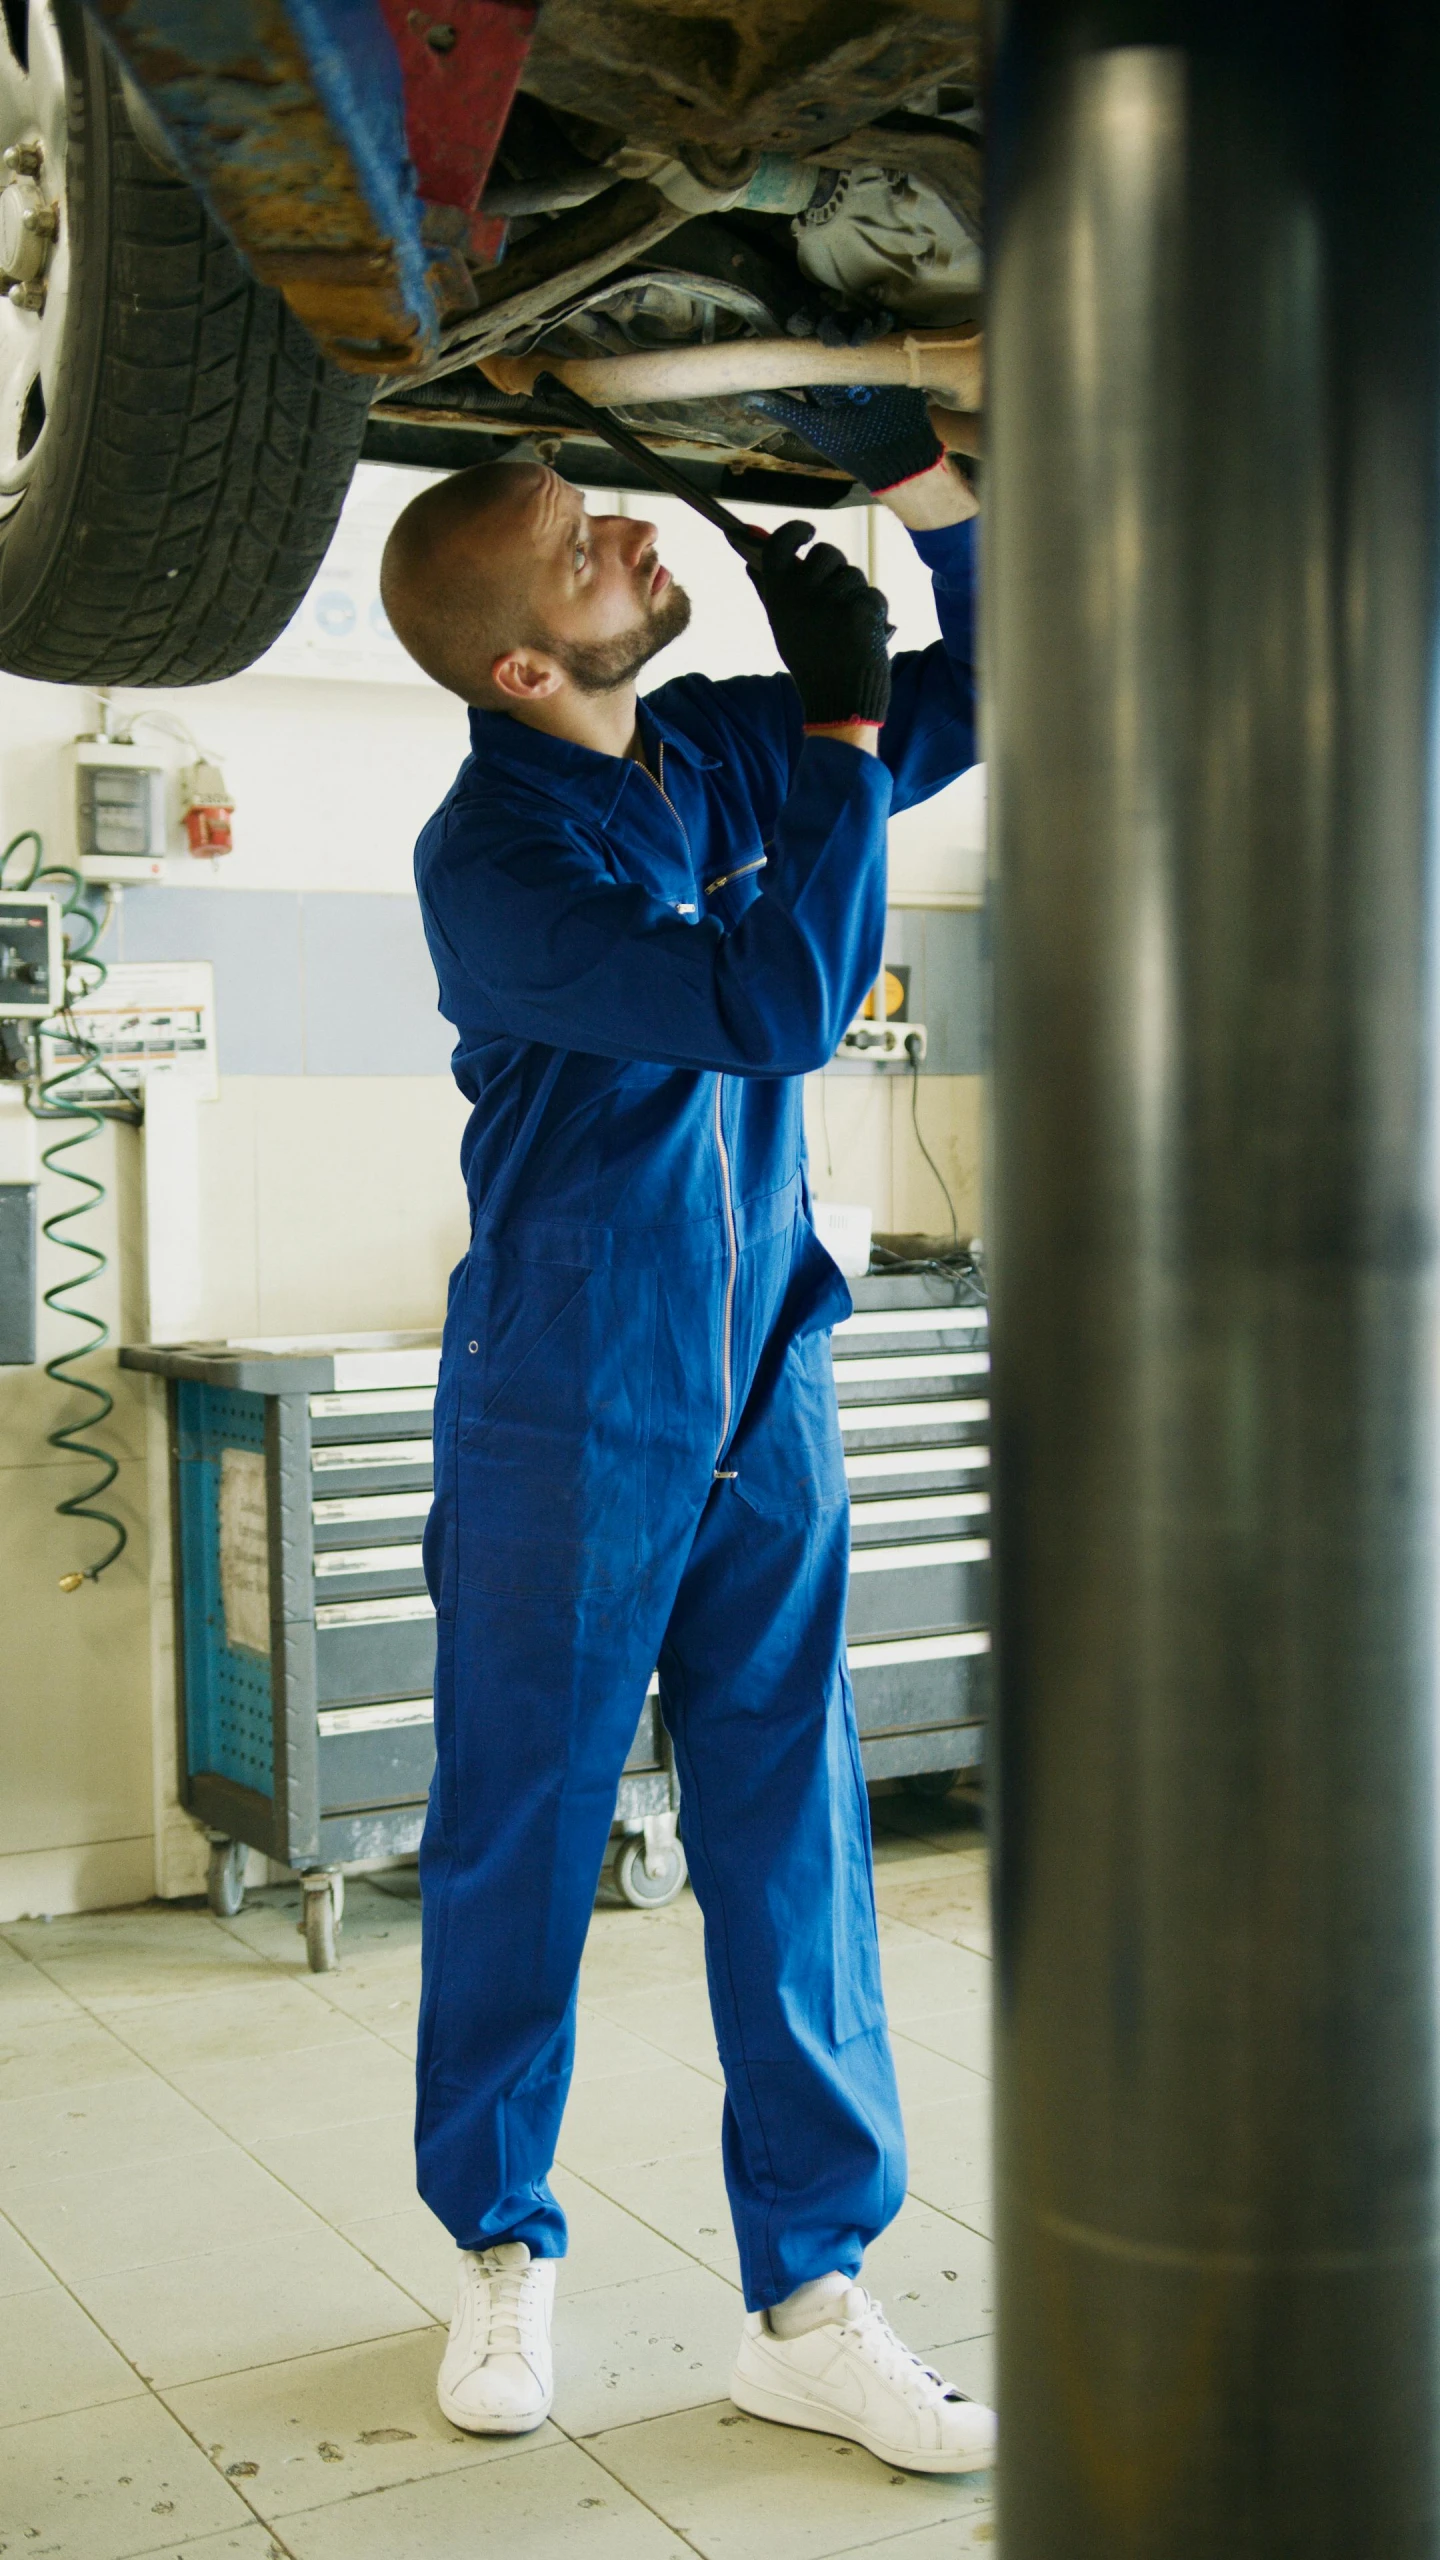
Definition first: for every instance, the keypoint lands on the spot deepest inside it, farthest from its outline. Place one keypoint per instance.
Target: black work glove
(880, 437)
(829, 625)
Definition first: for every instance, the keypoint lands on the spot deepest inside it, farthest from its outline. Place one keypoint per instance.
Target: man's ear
(524, 675)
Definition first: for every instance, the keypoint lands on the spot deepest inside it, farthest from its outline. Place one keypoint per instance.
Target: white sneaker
(497, 2377)
(850, 2376)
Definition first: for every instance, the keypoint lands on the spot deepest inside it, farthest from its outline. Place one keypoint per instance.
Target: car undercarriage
(410, 214)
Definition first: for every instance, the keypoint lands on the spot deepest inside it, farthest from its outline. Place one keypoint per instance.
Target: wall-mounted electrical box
(119, 811)
(32, 956)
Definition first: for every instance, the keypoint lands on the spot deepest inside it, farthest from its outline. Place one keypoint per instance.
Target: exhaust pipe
(946, 363)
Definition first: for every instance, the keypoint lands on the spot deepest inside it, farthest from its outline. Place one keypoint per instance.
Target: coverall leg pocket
(553, 1421)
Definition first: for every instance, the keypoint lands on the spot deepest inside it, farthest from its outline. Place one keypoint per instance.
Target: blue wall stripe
(326, 983)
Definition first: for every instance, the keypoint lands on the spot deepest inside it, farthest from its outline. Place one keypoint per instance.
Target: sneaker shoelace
(508, 2317)
(920, 2384)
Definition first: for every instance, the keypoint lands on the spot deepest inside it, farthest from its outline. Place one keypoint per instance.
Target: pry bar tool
(557, 395)
(743, 538)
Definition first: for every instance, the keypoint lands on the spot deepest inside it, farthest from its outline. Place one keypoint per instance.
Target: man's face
(595, 596)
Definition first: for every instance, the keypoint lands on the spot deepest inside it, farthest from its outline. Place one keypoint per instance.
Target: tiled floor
(220, 2293)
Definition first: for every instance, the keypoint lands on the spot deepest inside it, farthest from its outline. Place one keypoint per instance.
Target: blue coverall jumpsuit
(637, 1449)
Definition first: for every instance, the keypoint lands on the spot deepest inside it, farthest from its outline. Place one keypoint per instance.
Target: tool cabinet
(912, 1373)
(306, 1639)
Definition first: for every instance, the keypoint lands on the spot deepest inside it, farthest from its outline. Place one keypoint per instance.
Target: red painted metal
(461, 61)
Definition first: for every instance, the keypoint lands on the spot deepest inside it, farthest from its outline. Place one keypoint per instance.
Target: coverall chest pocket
(553, 1422)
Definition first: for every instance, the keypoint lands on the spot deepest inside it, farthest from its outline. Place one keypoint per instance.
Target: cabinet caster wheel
(225, 1883)
(643, 1889)
(323, 1899)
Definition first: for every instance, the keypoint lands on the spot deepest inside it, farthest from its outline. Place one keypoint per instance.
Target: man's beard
(602, 666)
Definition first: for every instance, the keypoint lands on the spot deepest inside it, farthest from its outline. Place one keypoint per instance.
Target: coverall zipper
(732, 1244)
(711, 886)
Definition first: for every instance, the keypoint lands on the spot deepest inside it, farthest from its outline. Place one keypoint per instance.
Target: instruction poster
(244, 1551)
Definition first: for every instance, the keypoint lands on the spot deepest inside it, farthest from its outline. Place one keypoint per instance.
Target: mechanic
(649, 921)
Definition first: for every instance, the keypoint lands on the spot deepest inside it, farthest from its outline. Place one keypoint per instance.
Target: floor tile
(20, 2270)
(957, 1910)
(311, 2352)
(348, 2172)
(684, 2199)
(380, 1992)
(72, 2052)
(934, 2277)
(604, 2049)
(72, 2131)
(640, 2350)
(638, 1951)
(244, 2542)
(53, 2358)
(607, 2246)
(736, 2487)
(414, 2250)
(926, 2077)
(264, 2016)
(924, 1974)
(680, 2024)
(276, 2298)
(147, 1929)
(949, 2148)
(970, 2364)
(151, 2211)
(962, 2035)
(385, 1999)
(27, 1996)
(324, 2085)
(554, 2505)
(271, 1928)
(975, 2532)
(103, 2484)
(333, 2426)
(122, 1977)
(643, 2115)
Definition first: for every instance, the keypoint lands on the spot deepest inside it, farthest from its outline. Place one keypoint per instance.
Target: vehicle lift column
(1213, 582)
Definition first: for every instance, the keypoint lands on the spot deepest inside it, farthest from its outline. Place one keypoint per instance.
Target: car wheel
(174, 450)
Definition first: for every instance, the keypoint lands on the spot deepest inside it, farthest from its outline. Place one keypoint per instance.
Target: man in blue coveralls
(649, 921)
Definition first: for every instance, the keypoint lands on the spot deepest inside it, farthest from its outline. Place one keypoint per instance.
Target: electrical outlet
(883, 1044)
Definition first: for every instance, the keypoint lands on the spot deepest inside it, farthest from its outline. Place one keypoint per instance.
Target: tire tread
(221, 447)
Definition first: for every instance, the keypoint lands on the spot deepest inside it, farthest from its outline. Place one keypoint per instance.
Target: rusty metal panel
(288, 115)
(776, 75)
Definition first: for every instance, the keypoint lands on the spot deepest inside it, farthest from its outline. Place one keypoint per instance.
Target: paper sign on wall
(244, 1550)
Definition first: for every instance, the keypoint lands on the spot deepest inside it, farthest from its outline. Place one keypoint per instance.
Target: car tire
(193, 448)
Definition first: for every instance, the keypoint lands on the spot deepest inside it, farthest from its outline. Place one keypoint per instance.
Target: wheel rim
(34, 237)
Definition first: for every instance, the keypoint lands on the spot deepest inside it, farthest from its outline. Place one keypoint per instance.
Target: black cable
(912, 1052)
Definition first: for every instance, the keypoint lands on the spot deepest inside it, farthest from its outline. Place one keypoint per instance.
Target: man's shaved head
(502, 562)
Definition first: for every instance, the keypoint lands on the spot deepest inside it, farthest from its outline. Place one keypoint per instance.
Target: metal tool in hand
(568, 404)
(744, 538)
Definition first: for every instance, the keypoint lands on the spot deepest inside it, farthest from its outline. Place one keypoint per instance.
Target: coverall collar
(576, 775)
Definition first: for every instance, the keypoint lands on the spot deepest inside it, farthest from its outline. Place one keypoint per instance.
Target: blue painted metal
(229, 1707)
(289, 118)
